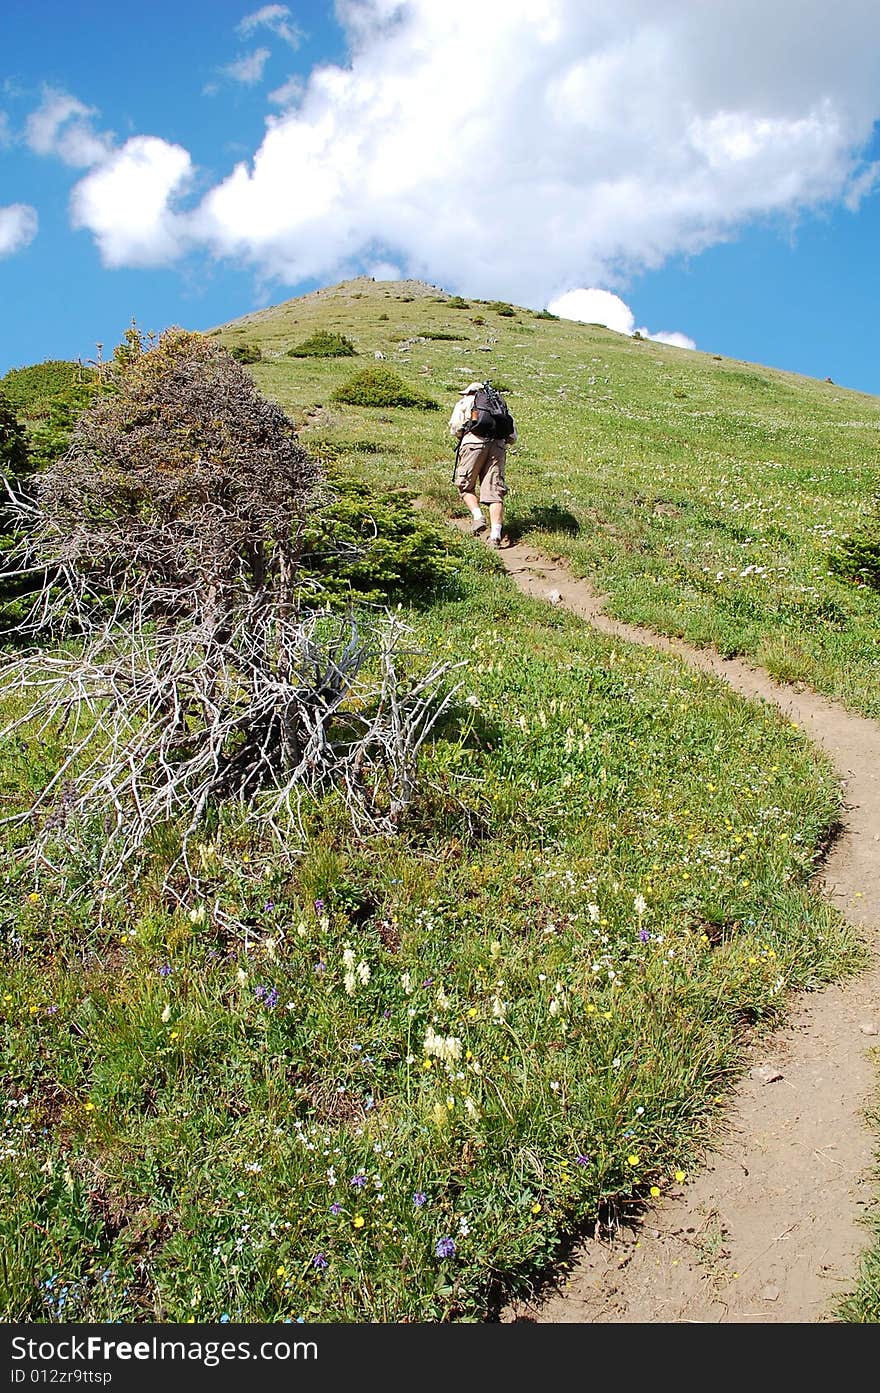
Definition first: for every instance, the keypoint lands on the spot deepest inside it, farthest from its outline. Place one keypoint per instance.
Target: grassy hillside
(430, 1058)
(703, 494)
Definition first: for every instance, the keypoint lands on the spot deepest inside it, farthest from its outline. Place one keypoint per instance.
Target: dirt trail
(769, 1231)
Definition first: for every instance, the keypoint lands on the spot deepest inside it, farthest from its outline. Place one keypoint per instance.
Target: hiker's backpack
(490, 418)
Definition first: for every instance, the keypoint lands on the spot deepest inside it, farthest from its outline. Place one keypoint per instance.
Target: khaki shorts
(483, 463)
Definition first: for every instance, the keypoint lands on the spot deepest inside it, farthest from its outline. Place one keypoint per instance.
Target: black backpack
(490, 418)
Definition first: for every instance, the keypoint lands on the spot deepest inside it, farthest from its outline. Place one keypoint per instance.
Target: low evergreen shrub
(377, 549)
(382, 387)
(857, 558)
(323, 343)
(247, 353)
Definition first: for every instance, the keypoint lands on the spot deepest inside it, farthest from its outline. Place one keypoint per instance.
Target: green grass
(527, 1009)
(705, 496)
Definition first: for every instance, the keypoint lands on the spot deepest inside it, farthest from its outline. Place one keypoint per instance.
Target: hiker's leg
(467, 472)
(493, 488)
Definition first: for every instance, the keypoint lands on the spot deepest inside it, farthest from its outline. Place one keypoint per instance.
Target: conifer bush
(382, 387)
(324, 344)
(857, 557)
(247, 353)
(208, 666)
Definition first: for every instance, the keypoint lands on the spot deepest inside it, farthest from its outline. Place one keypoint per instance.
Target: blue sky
(711, 168)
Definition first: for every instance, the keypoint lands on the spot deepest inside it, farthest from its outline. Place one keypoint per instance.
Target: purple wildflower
(582, 1160)
(269, 905)
(165, 970)
(445, 1248)
(359, 1181)
(320, 1262)
(643, 935)
(320, 967)
(319, 905)
(419, 1198)
(335, 1207)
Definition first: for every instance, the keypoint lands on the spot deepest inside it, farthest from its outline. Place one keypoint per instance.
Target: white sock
(477, 515)
(495, 533)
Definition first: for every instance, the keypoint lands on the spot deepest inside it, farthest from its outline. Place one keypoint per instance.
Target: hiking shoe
(499, 543)
(478, 528)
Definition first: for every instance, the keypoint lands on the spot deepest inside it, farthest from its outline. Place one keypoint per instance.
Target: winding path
(769, 1230)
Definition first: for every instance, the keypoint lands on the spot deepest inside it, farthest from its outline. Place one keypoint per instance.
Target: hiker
(484, 428)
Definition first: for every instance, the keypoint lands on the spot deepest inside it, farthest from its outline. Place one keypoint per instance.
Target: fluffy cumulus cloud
(593, 306)
(128, 203)
(18, 227)
(588, 143)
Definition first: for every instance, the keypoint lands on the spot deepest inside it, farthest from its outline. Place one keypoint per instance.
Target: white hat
(473, 387)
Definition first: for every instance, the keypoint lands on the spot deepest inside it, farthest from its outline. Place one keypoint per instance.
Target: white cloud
(384, 271)
(127, 203)
(5, 132)
(589, 305)
(598, 141)
(592, 306)
(62, 126)
(275, 18)
(18, 227)
(288, 93)
(249, 69)
(675, 338)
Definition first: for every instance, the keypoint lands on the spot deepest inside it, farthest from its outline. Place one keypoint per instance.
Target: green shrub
(501, 307)
(378, 548)
(247, 353)
(48, 399)
(324, 344)
(382, 387)
(545, 314)
(441, 334)
(455, 302)
(857, 558)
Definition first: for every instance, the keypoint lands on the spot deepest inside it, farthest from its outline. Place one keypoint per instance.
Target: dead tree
(182, 654)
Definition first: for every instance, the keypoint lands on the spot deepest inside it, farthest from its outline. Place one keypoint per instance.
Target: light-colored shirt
(461, 414)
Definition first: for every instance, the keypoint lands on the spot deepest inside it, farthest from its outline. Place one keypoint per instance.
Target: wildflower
(197, 915)
(319, 905)
(419, 1199)
(582, 1160)
(447, 1047)
(335, 1207)
(281, 1271)
(363, 973)
(358, 1181)
(644, 936)
(166, 1014)
(320, 1262)
(359, 1221)
(320, 967)
(445, 1248)
(349, 982)
(679, 1175)
(655, 1192)
(165, 970)
(640, 904)
(632, 1160)
(536, 1208)
(34, 897)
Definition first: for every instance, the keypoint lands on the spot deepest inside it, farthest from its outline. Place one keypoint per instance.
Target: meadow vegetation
(386, 1079)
